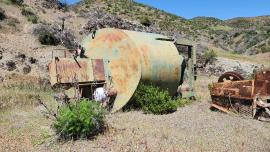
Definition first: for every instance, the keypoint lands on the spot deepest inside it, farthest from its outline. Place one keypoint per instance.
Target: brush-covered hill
(30, 30)
(240, 35)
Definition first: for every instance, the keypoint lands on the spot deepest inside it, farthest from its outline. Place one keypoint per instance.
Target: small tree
(210, 56)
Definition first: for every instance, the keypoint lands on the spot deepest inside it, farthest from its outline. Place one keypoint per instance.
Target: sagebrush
(2, 14)
(29, 13)
(145, 21)
(210, 56)
(48, 39)
(17, 2)
(83, 119)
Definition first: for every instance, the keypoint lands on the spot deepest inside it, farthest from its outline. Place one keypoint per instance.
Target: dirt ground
(192, 128)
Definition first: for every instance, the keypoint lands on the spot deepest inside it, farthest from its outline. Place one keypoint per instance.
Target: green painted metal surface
(124, 58)
(134, 57)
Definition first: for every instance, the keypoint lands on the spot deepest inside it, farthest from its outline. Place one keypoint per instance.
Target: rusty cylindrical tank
(121, 59)
(133, 57)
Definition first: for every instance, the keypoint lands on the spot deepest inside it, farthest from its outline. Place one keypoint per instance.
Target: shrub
(33, 19)
(13, 22)
(210, 56)
(80, 120)
(17, 2)
(181, 102)
(48, 39)
(31, 16)
(2, 14)
(145, 21)
(153, 100)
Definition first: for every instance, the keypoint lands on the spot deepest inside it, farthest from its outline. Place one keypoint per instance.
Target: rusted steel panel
(70, 71)
(262, 83)
(243, 96)
(98, 69)
(234, 89)
(66, 70)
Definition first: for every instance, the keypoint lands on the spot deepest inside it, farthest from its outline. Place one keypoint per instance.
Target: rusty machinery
(247, 97)
(122, 59)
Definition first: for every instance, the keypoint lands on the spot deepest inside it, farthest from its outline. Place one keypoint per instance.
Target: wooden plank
(220, 108)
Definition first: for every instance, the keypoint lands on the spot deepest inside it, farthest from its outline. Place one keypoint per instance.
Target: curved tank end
(123, 69)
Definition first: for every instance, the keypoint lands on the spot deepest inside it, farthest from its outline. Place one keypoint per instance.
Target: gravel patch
(222, 65)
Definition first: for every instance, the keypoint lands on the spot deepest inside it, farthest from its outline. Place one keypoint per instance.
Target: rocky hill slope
(239, 35)
(31, 31)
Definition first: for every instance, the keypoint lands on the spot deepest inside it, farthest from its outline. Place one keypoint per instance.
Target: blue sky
(223, 9)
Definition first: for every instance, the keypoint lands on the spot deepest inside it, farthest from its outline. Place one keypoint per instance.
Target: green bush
(31, 16)
(2, 14)
(27, 11)
(48, 39)
(80, 120)
(145, 21)
(210, 56)
(153, 100)
(33, 19)
(17, 2)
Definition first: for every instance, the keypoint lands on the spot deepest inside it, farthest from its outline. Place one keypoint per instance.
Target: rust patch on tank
(110, 37)
(98, 69)
(145, 56)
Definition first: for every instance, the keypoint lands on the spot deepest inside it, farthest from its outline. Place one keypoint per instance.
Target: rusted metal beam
(249, 97)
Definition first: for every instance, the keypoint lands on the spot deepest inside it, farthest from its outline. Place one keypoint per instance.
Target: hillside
(32, 19)
(239, 35)
(31, 35)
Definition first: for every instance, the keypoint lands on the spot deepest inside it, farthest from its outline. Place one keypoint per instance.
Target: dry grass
(23, 125)
(22, 129)
(191, 128)
(246, 58)
(22, 90)
(201, 86)
(257, 59)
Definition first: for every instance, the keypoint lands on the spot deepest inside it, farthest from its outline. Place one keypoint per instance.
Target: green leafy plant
(84, 119)
(153, 100)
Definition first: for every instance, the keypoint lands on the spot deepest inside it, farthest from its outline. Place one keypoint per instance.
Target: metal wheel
(230, 76)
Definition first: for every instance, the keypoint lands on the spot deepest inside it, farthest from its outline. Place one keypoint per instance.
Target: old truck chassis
(246, 97)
